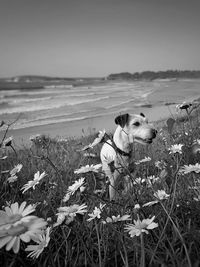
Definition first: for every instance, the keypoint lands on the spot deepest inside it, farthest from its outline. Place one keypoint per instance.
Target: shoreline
(85, 127)
(160, 105)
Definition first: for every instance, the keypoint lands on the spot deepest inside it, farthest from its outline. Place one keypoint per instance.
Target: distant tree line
(152, 75)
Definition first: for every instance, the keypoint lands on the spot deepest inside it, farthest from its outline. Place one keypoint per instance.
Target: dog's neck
(121, 140)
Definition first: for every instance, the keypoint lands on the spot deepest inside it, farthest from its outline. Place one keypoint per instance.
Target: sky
(94, 38)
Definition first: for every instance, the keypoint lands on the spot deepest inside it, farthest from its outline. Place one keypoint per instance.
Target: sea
(65, 103)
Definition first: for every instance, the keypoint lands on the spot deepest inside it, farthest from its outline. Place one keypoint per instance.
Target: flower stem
(142, 261)
(99, 246)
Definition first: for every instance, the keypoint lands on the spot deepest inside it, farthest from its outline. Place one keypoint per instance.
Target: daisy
(16, 214)
(13, 173)
(24, 230)
(34, 182)
(139, 180)
(151, 180)
(96, 141)
(12, 178)
(88, 168)
(16, 169)
(146, 159)
(177, 148)
(137, 206)
(117, 218)
(99, 138)
(190, 168)
(42, 241)
(74, 187)
(35, 137)
(68, 213)
(96, 213)
(161, 194)
(140, 227)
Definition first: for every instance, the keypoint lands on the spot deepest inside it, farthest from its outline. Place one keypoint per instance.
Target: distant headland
(39, 81)
(152, 75)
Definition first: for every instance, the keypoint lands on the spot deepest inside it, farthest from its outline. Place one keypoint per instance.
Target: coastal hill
(152, 75)
(25, 82)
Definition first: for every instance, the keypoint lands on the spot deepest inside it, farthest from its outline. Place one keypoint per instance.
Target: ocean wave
(62, 120)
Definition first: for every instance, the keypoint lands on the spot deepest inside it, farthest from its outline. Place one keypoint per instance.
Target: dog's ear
(142, 114)
(122, 119)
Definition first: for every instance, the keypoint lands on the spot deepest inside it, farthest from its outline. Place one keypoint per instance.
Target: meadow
(68, 219)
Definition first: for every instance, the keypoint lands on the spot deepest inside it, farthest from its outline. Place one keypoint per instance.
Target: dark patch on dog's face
(122, 120)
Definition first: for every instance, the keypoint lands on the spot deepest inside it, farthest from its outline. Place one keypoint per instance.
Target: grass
(176, 240)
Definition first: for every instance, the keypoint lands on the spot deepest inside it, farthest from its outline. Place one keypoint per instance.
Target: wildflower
(99, 191)
(137, 206)
(34, 182)
(16, 169)
(88, 168)
(73, 188)
(52, 185)
(190, 168)
(13, 173)
(96, 213)
(117, 218)
(42, 241)
(7, 141)
(25, 231)
(161, 194)
(17, 224)
(12, 178)
(35, 137)
(99, 138)
(139, 180)
(68, 213)
(140, 227)
(15, 213)
(151, 180)
(177, 148)
(96, 141)
(146, 159)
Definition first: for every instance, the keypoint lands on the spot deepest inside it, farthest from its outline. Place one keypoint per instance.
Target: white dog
(131, 128)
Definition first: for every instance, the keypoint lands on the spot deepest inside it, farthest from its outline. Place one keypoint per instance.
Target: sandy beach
(159, 105)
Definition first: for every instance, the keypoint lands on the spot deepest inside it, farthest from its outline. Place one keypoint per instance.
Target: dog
(116, 153)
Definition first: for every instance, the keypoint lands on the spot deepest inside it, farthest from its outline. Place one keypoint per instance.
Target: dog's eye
(136, 123)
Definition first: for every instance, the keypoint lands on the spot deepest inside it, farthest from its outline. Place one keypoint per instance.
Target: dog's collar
(121, 152)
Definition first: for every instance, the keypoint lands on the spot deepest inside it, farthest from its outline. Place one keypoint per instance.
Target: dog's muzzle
(147, 140)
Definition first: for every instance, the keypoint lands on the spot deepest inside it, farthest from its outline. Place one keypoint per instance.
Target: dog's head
(137, 128)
